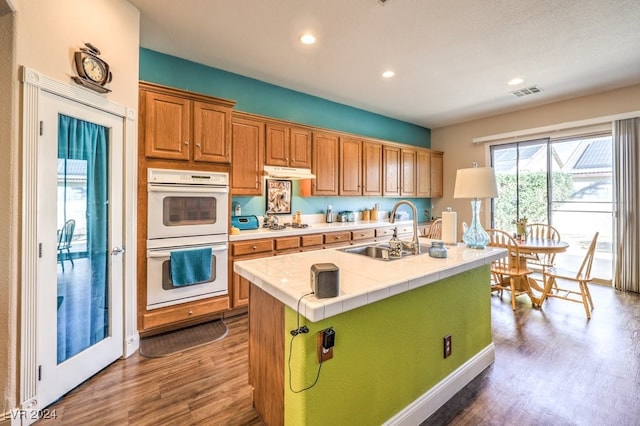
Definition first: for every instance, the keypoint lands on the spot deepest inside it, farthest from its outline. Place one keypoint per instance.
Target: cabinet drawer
(311, 240)
(287, 243)
(184, 312)
(403, 230)
(337, 237)
(364, 234)
(250, 247)
(384, 232)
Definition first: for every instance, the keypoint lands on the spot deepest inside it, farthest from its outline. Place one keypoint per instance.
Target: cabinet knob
(198, 145)
(190, 312)
(186, 143)
(254, 247)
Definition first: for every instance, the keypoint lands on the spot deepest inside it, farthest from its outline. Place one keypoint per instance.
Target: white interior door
(79, 231)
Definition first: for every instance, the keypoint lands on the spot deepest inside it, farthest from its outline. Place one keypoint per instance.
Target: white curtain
(626, 136)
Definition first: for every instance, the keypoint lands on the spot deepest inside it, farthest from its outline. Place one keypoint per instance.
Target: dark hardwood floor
(553, 367)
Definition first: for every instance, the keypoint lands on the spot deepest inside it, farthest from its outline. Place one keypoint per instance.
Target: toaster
(245, 222)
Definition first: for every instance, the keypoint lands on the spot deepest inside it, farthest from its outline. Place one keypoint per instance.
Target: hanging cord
(294, 333)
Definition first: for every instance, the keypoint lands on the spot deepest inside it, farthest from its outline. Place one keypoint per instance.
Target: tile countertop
(315, 228)
(362, 280)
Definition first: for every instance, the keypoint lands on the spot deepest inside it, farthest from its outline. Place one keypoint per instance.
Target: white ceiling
(452, 58)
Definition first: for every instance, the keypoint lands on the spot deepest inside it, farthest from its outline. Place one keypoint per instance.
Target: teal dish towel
(190, 266)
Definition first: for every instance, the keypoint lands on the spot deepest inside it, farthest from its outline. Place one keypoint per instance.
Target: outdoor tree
(526, 196)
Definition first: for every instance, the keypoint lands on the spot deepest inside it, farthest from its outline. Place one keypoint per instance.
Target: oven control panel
(187, 177)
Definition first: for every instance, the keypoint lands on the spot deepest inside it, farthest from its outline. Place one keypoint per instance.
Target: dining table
(529, 248)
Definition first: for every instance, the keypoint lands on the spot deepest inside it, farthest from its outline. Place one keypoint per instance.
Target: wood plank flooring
(553, 367)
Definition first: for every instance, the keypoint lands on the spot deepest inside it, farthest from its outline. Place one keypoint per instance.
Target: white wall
(8, 212)
(45, 34)
(460, 152)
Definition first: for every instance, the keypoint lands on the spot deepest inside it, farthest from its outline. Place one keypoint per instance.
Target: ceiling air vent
(526, 91)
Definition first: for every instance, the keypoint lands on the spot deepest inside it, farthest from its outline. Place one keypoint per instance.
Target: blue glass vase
(475, 236)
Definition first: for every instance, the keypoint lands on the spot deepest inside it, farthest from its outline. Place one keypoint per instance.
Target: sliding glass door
(566, 183)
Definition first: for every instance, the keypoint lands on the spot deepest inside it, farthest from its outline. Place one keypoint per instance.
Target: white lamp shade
(476, 182)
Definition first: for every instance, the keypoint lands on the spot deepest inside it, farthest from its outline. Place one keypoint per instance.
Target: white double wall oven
(187, 211)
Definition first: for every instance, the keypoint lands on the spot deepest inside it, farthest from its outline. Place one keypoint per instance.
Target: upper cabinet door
(391, 159)
(371, 168)
(423, 173)
(211, 124)
(408, 158)
(167, 125)
(300, 148)
(277, 145)
(350, 166)
(287, 146)
(247, 151)
(437, 164)
(325, 164)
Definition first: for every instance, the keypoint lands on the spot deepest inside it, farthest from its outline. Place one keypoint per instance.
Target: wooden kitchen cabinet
(247, 152)
(311, 242)
(337, 239)
(371, 168)
(408, 175)
(325, 155)
(287, 146)
(429, 174)
(287, 244)
(245, 250)
(350, 174)
(437, 167)
(392, 171)
(184, 312)
(363, 235)
(183, 126)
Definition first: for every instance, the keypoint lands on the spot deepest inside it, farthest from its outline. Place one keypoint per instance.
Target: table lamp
(475, 183)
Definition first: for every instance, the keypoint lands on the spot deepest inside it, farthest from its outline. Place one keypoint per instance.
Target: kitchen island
(390, 319)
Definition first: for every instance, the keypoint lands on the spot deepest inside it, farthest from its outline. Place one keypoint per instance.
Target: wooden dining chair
(541, 261)
(435, 230)
(64, 242)
(555, 277)
(508, 273)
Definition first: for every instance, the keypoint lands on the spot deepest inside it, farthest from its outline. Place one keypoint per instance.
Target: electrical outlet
(447, 345)
(426, 212)
(325, 337)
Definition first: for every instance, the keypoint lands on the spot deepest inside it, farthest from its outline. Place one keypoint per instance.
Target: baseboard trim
(428, 403)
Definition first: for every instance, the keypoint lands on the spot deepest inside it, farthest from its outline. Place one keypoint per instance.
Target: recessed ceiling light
(388, 74)
(307, 39)
(515, 81)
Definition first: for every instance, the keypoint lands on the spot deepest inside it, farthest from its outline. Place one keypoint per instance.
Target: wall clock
(93, 72)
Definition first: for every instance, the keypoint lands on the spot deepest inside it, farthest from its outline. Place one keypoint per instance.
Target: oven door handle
(188, 188)
(155, 253)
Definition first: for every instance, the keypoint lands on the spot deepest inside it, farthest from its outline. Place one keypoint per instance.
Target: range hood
(288, 172)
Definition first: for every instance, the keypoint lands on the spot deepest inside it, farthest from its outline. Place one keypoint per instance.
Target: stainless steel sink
(380, 251)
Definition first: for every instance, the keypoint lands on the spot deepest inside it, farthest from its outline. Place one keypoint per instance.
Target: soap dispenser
(329, 217)
(395, 246)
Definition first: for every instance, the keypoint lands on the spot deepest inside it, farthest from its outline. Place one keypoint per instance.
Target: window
(566, 183)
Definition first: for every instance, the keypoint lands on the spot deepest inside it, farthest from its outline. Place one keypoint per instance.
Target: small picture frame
(278, 197)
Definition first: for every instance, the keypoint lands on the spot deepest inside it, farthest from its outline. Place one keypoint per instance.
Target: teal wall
(386, 354)
(266, 99)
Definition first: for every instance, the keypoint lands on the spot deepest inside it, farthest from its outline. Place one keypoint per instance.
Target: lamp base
(475, 236)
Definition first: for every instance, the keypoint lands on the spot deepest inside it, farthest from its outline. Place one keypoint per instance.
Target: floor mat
(180, 340)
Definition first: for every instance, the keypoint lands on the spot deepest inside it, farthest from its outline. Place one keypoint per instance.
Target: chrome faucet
(414, 245)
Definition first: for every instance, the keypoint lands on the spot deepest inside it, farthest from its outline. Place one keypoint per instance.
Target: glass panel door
(583, 201)
(566, 183)
(79, 227)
